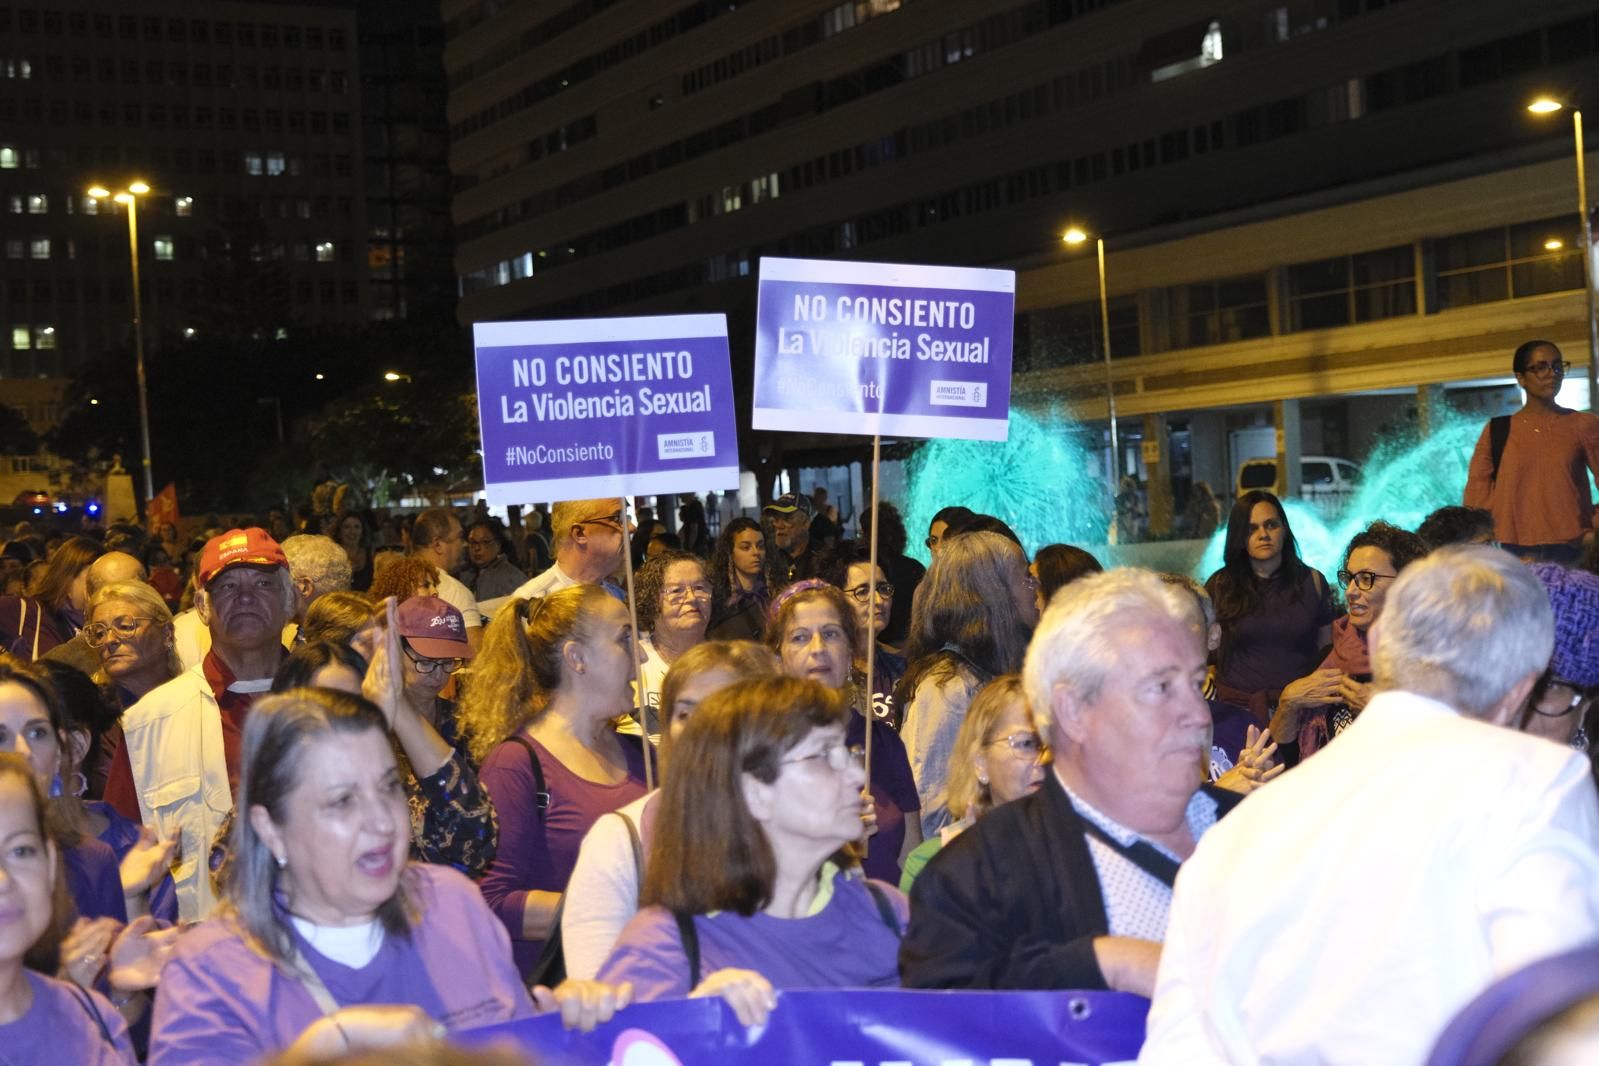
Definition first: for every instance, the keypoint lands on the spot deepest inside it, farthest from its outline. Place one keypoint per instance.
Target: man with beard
(177, 769)
(795, 558)
(1070, 887)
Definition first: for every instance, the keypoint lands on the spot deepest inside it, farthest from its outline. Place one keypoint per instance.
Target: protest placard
(883, 348)
(581, 408)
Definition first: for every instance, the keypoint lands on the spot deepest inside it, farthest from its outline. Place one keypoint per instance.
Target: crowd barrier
(858, 1027)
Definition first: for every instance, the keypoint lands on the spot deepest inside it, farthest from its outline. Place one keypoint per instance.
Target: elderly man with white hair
(1069, 887)
(1348, 910)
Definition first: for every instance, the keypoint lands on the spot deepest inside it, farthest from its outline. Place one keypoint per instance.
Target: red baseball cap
(239, 547)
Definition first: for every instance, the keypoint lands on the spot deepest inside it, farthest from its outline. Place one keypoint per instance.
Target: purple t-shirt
(94, 881)
(538, 853)
(1276, 643)
(222, 1001)
(893, 794)
(846, 945)
(59, 1028)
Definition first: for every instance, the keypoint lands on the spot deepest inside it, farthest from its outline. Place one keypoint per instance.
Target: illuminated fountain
(1046, 482)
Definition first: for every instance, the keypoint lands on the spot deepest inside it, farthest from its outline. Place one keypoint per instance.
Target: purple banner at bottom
(861, 1027)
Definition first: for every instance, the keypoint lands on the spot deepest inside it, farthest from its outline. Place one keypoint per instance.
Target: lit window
(10, 159)
(44, 337)
(275, 164)
(252, 164)
(21, 338)
(163, 247)
(183, 206)
(39, 248)
(91, 206)
(324, 252)
(38, 204)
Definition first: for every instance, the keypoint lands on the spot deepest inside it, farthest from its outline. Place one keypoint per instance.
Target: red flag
(163, 508)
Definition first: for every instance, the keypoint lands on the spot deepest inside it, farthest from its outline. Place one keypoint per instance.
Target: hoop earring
(80, 783)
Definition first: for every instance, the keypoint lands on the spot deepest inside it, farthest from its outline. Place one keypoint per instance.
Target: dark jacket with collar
(1013, 902)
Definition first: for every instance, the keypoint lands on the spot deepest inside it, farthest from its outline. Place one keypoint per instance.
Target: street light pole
(1546, 105)
(1077, 236)
(130, 199)
(138, 345)
(1587, 262)
(1110, 385)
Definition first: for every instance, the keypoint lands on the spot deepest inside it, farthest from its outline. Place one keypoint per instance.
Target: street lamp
(393, 375)
(1548, 105)
(130, 198)
(1077, 236)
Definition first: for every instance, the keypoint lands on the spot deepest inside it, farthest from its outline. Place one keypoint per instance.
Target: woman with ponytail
(549, 680)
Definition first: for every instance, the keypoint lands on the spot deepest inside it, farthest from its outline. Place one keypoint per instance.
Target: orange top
(1542, 495)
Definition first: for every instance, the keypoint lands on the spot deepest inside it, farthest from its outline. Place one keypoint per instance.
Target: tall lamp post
(1077, 236)
(129, 198)
(1546, 105)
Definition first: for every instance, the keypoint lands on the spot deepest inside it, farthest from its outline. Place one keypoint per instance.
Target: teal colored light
(1405, 478)
(1046, 482)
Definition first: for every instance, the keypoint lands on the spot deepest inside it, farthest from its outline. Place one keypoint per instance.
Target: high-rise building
(1303, 200)
(295, 153)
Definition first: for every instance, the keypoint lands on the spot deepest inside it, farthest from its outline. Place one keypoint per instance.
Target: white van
(1325, 480)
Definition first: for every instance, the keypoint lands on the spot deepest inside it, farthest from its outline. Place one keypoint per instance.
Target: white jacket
(174, 741)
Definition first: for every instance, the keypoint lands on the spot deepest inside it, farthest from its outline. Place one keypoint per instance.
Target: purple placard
(579, 408)
(917, 351)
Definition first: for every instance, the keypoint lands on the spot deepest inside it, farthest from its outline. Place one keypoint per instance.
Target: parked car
(35, 500)
(1325, 480)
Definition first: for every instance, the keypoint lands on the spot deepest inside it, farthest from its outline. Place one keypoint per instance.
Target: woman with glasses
(751, 884)
(1315, 708)
(603, 893)
(1531, 468)
(814, 634)
(491, 573)
(973, 617)
(1275, 612)
(738, 582)
(550, 680)
(420, 647)
(130, 627)
(1562, 704)
(674, 608)
(850, 568)
(998, 757)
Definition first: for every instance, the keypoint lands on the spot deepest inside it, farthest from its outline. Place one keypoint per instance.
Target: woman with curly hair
(739, 592)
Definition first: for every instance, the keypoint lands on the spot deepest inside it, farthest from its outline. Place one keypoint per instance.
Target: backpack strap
(638, 847)
(1498, 436)
(541, 794)
(83, 1000)
(885, 909)
(1140, 853)
(690, 937)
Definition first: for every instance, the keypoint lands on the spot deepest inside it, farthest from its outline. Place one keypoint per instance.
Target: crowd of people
(310, 797)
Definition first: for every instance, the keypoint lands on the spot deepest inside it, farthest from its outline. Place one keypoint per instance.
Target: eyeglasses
(1574, 696)
(1027, 744)
(1554, 367)
(1362, 579)
(679, 593)
(615, 518)
(861, 593)
(486, 542)
(838, 757)
(427, 666)
(124, 628)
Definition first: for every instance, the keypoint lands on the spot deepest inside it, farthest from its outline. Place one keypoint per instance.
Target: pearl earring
(283, 863)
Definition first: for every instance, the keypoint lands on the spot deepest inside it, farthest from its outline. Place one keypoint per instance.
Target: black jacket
(1013, 902)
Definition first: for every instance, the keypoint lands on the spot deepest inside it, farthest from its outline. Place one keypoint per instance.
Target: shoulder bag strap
(1140, 853)
(314, 985)
(541, 794)
(638, 847)
(86, 1001)
(885, 909)
(690, 937)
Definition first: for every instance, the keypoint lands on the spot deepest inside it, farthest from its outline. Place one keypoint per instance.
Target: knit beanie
(1574, 595)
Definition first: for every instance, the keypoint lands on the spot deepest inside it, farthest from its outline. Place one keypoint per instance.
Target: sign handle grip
(638, 668)
(871, 614)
